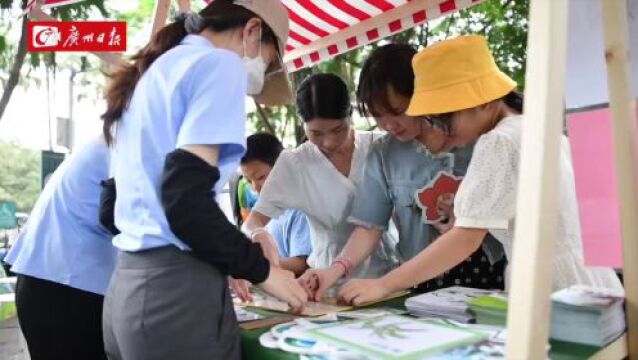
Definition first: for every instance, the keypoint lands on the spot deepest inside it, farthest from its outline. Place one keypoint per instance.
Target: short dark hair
(387, 66)
(263, 147)
(324, 96)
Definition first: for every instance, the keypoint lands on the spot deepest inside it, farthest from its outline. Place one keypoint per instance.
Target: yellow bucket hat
(456, 74)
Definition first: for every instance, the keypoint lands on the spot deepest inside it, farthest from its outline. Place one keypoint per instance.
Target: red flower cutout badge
(441, 189)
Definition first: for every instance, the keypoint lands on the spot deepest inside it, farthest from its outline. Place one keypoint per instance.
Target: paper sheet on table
(328, 306)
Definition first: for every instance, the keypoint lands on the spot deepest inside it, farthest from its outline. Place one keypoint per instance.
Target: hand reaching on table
(316, 281)
(241, 288)
(283, 285)
(362, 291)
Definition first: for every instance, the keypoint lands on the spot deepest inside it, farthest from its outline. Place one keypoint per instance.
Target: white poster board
(586, 70)
(590, 129)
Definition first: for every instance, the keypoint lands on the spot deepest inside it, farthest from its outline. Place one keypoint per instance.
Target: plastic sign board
(8, 219)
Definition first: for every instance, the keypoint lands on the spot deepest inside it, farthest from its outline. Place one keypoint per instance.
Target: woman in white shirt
(460, 89)
(320, 177)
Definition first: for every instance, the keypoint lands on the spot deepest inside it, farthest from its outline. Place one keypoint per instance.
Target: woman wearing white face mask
(179, 111)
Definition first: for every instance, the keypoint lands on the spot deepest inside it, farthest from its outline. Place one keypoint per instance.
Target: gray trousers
(165, 304)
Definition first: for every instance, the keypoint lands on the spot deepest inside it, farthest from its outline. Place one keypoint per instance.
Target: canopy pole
(537, 205)
(160, 14)
(625, 146)
(184, 5)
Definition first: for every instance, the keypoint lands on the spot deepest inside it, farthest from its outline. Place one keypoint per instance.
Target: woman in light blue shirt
(64, 260)
(176, 119)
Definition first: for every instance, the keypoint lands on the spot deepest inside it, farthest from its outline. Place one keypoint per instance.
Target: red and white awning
(47, 4)
(322, 29)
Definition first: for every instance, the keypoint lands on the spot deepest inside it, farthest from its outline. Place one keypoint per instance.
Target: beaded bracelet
(345, 262)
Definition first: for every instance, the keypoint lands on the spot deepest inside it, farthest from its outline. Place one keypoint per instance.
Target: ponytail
(125, 78)
(219, 16)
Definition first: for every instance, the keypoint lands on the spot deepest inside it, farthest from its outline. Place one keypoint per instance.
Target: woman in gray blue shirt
(397, 167)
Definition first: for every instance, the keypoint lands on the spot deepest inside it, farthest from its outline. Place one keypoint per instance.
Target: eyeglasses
(440, 121)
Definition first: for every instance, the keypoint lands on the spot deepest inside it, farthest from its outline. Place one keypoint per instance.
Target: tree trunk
(14, 75)
(264, 118)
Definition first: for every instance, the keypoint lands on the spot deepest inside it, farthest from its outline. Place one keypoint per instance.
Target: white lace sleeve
(487, 196)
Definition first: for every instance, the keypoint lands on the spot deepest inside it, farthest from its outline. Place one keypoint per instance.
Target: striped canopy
(322, 29)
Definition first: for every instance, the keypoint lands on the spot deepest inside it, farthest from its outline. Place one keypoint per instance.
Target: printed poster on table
(396, 337)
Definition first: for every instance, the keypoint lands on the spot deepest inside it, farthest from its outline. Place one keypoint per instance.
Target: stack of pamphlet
(587, 315)
(448, 303)
(489, 309)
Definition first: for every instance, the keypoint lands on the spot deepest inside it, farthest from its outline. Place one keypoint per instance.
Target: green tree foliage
(13, 53)
(503, 22)
(19, 175)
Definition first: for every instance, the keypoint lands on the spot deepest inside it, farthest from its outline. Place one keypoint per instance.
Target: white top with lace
(487, 199)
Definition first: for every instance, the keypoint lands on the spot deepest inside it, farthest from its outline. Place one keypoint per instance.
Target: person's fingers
(321, 290)
(443, 227)
(303, 280)
(245, 288)
(360, 299)
(295, 306)
(298, 291)
(306, 287)
(446, 207)
(243, 295)
(313, 281)
(301, 295)
(304, 276)
(240, 290)
(299, 299)
(314, 285)
(348, 292)
(347, 297)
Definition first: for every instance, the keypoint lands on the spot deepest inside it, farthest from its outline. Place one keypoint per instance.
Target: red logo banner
(95, 36)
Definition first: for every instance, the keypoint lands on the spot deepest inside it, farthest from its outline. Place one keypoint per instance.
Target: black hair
(388, 66)
(219, 16)
(514, 100)
(263, 147)
(323, 96)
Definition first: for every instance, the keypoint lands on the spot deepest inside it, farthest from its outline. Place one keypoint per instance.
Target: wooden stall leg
(625, 135)
(537, 208)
